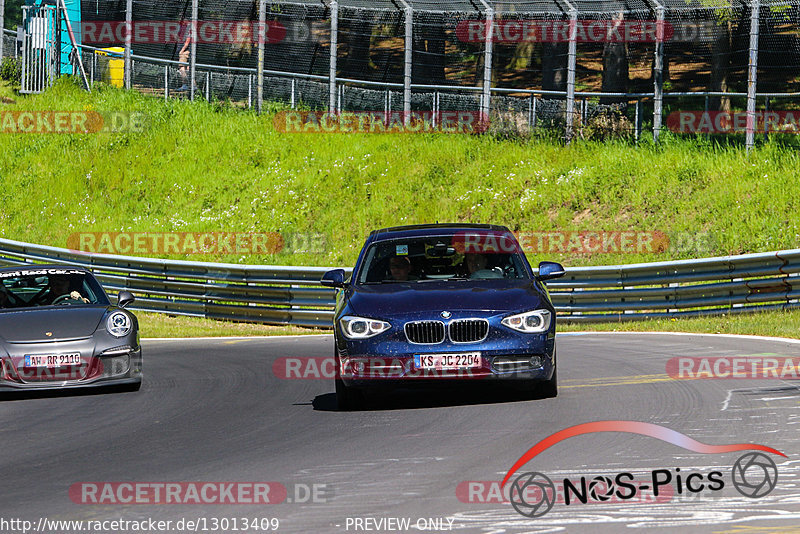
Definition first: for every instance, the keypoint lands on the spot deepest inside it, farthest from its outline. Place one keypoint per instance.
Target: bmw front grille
(425, 332)
(460, 331)
(468, 330)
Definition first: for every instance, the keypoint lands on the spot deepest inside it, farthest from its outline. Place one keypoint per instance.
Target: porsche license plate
(52, 360)
(465, 360)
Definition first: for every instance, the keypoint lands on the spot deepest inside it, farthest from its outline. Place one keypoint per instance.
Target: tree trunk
(355, 33)
(429, 49)
(615, 67)
(720, 64)
(554, 66)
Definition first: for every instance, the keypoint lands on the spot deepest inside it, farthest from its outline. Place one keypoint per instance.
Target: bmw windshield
(30, 288)
(445, 257)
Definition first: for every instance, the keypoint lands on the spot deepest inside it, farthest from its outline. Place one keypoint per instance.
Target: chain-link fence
(581, 68)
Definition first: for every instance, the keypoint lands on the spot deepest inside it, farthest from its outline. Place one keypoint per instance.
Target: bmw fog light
(536, 362)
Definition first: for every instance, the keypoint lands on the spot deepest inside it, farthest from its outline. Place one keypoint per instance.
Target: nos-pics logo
(533, 494)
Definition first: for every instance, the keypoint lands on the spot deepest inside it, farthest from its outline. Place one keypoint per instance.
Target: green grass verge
(772, 323)
(163, 325)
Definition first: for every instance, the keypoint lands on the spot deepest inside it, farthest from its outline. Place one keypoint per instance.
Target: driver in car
(400, 269)
(59, 290)
(475, 262)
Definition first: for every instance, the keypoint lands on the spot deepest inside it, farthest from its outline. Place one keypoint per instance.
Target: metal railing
(292, 295)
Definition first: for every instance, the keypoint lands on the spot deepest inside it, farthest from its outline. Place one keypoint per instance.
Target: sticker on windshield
(402, 250)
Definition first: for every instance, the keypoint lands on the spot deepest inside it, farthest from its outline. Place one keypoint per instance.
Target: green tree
(13, 13)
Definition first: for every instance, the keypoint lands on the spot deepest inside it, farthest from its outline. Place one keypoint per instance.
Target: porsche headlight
(532, 322)
(361, 327)
(119, 324)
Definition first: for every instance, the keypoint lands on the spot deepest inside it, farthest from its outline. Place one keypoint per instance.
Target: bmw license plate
(464, 360)
(52, 360)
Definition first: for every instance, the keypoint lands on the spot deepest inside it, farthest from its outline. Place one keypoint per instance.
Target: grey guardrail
(292, 295)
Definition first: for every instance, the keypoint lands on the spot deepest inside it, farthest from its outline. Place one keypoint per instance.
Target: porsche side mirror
(125, 298)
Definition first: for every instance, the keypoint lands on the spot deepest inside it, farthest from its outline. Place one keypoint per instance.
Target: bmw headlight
(532, 322)
(361, 327)
(119, 324)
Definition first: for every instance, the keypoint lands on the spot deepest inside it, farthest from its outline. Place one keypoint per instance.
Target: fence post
(658, 73)
(128, 41)
(193, 50)
(166, 82)
(573, 36)
(262, 22)
(751, 75)
(486, 102)
(2, 27)
(334, 53)
(409, 48)
(638, 118)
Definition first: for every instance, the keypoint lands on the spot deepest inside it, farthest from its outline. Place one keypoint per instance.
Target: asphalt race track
(212, 410)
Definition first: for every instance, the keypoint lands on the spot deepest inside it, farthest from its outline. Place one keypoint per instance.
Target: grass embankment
(204, 167)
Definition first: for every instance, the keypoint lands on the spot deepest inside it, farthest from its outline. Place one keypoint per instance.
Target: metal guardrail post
(334, 5)
(658, 72)
(486, 102)
(128, 41)
(752, 74)
(262, 37)
(573, 42)
(193, 50)
(407, 65)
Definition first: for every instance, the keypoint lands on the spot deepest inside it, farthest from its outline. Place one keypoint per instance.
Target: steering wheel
(61, 300)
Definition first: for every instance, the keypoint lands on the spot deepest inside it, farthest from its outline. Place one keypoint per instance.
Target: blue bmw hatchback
(444, 301)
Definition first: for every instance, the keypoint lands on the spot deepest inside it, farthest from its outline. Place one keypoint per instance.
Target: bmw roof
(430, 229)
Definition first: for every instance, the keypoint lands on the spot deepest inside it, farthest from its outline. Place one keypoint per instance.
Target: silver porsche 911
(59, 330)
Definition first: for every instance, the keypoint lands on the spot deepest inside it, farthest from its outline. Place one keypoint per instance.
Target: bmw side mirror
(334, 278)
(549, 270)
(125, 298)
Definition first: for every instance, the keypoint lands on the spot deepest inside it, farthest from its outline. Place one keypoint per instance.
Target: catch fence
(588, 68)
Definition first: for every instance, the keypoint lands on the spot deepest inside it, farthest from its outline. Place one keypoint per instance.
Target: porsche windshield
(31, 288)
(451, 257)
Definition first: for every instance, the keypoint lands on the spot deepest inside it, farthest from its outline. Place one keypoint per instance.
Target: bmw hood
(494, 296)
(31, 326)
